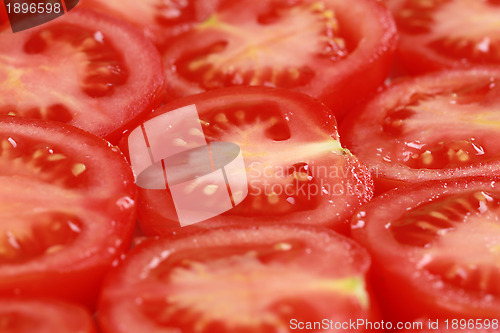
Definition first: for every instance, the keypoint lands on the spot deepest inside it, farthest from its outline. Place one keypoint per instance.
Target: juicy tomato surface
(246, 279)
(67, 212)
(335, 50)
(434, 127)
(296, 169)
(159, 20)
(435, 249)
(439, 34)
(83, 69)
(43, 316)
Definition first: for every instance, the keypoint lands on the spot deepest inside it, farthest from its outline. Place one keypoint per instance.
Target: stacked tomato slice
(433, 127)
(244, 279)
(435, 249)
(67, 210)
(82, 69)
(297, 170)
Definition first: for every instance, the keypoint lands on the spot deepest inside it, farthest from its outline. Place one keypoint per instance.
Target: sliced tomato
(439, 34)
(433, 127)
(159, 20)
(320, 48)
(83, 69)
(43, 316)
(68, 209)
(248, 279)
(435, 249)
(297, 171)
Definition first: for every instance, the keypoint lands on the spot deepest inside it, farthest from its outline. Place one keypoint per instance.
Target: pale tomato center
(468, 20)
(242, 291)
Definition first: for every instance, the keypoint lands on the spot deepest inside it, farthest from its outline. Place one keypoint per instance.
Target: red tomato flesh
(248, 279)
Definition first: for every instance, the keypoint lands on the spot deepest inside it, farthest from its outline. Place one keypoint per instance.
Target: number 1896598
(33, 8)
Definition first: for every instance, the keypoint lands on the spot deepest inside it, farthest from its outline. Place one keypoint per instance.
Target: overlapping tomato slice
(247, 279)
(433, 127)
(439, 34)
(436, 249)
(320, 48)
(296, 168)
(83, 69)
(67, 210)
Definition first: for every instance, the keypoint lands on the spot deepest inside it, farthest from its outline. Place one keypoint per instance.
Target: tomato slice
(435, 249)
(439, 34)
(320, 48)
(248, 279)
(67, 212)
(297, 171)
(159, 20)
(42, 316)
(83, 69)
(432, 127)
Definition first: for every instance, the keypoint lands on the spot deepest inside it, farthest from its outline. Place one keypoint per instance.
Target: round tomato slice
(320, 48)
(248, 279)
(159, 20)
(435, 249)
(67, 212)
(439, 34)
(433, 127)
(83, 69)
(43, 316)
(296, 169)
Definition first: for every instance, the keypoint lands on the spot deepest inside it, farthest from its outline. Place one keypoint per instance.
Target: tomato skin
(405, 290)
(339, 84)
(365, 132)
(308, 121)
(44, 315)
(102, 203)
(125, 55)
(126, 290)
